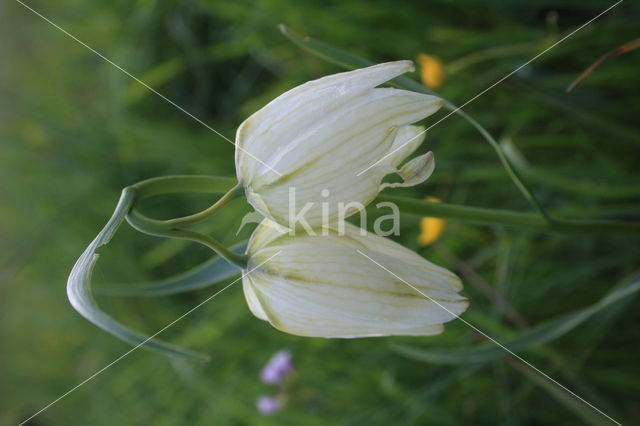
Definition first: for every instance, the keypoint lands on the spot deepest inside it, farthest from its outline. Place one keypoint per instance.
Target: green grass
(74, 131)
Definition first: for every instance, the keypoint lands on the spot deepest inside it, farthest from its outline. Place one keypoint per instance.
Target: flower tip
(462, 307)
(395, 68)
(282, 28)
(466, 304)
(409, 64)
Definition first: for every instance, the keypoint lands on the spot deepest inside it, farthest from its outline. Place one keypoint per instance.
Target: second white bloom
(346, 285)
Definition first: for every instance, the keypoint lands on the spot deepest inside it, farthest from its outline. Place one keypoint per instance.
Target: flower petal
(407, 140)
(294, 111)
(357, 128)
(329, 155)
(322, 286)
(252, 300)
(374, 242)
(414, 172)
(316, 310)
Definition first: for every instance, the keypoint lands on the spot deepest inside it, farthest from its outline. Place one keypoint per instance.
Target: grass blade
(541, 334)
(204, 275)
(581, 409)
(347, 60)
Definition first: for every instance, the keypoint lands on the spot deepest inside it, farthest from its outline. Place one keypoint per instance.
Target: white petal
(357, 127)
(251, 298)
(299, 108)
(266, 232)
(330, 154)
(389, 247)
(414, 172)
(322, 286)
(315, 310)
(407, 140)
(345, 189)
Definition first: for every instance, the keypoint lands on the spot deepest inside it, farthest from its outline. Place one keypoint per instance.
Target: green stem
(459, 64)
(230, 195)
(172, 228)
(147, 226)
(591, 188)
(182, 183)
(511, 171)
(486, 216)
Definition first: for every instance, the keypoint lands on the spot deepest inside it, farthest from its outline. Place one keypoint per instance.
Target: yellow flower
(431, 70)
(430, 227)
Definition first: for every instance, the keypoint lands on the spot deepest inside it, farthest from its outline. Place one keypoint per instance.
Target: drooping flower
(336, 285)
(278, 368)
(332, 141)
(268, 405)
(430, 227)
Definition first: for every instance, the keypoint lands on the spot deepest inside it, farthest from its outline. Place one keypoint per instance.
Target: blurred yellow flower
(431, 70)
(430, 227)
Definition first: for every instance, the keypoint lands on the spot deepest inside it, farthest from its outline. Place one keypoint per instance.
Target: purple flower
(279, 366)
(268, 405)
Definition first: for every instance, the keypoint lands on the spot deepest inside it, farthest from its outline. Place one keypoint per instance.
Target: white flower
(325, 286)
(322, 134)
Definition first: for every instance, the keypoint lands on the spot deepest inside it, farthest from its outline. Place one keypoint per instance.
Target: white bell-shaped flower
(346, 284)
(331, 141)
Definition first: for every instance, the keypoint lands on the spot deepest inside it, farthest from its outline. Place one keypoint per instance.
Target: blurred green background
(75, 130)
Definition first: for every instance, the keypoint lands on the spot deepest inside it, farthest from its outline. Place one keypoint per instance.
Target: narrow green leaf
(541, 334)
(580, 186)
(80, 293)
(501, 217)
(347, 60)
(155, 77)
(204, 275)
(584, 411)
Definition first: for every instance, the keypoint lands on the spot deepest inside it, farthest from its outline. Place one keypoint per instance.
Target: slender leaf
(204, 275)
(347, 60)
(584, 411)
(582, 186)
(80, 292)
(541, 334)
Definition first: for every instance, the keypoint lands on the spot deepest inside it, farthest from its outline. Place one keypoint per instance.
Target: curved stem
(143, 224)
(230, 195)
(579, 186)
(463, 62)
(172, 227)
(511, 171)
(510, 218)
(183, 183)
